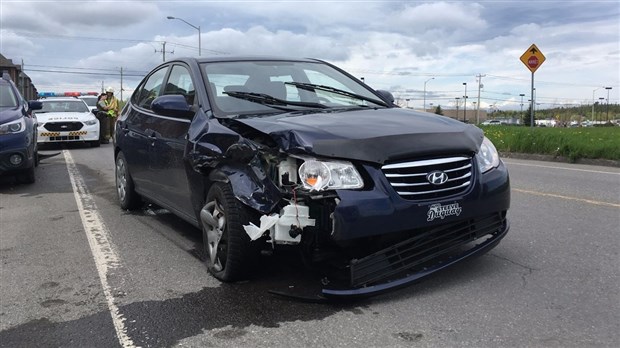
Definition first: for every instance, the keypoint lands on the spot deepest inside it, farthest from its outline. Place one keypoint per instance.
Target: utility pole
(522, 95)
(607, 117)
(121, 83)
(480, 86)
(465, 103)
(163, 51)
(593, 102)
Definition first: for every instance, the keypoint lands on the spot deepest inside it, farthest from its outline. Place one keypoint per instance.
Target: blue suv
(18, 133)
(268, 154)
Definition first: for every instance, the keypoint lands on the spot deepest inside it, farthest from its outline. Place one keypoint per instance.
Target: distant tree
(438, 110)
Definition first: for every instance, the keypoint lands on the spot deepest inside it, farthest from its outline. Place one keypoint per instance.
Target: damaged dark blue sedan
(264, 154)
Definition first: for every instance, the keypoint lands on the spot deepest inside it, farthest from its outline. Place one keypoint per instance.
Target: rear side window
(150, 89)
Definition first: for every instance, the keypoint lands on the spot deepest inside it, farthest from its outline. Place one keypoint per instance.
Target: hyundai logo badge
(437, 177)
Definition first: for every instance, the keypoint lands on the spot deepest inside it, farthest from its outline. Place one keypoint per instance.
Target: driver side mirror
(174, 105)
(387, 96)
(35, 105)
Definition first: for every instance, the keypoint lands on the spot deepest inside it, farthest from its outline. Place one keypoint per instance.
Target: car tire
(127, 196)
(228, 251)
(94, 143)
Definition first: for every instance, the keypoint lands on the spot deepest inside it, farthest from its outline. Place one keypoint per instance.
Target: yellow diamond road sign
(532, 58)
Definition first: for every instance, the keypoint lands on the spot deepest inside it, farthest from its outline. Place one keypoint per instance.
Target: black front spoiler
(372, 290)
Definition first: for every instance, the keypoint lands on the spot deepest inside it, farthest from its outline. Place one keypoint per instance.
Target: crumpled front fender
(250, 185)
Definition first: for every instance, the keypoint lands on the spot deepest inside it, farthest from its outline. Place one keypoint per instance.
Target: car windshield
(259, 87)
(8, 98)
(90, 101)
(64, 106)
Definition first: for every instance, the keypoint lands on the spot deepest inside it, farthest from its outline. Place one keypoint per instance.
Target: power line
(76, 68)
(85, 73)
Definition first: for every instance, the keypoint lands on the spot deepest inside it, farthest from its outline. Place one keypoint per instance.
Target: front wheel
(229, 252)
(127, 195)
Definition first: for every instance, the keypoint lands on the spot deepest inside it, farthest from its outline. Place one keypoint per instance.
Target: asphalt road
(77, 271)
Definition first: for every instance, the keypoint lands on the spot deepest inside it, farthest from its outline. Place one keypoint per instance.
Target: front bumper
(86, 133)
(391, 265)
(16, 144)
(405, 240)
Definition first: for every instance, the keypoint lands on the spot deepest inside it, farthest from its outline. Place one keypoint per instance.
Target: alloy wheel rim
(121, 179)
(215, 245)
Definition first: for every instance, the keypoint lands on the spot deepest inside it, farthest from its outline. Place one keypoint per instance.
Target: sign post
(532, 58)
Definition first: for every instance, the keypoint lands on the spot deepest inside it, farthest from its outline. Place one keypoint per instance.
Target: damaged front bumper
(411, 260)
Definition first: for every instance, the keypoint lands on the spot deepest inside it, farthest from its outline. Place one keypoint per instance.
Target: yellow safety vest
(112, 104)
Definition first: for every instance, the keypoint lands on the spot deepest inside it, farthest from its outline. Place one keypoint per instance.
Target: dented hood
(373, 135)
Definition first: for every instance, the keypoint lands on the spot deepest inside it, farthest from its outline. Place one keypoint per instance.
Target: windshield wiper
(312, 86)
(276, 103)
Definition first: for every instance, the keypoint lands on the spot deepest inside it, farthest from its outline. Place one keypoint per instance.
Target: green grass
(573, 143)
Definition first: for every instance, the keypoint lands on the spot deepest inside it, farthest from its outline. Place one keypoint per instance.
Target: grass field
(573, 143)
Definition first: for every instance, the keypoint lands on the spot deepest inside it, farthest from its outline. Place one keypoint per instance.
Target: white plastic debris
(279, 226)
(266, 222)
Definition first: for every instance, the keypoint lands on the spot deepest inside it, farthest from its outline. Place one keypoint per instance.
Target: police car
(67, 119)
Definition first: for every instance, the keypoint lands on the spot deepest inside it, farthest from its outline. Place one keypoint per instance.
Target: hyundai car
(264, 154)
(18, 133)
(67, 119)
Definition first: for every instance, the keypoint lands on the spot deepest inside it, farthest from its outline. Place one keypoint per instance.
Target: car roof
(244, 58)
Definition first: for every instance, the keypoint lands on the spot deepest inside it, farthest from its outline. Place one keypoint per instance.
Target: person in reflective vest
(104, 119)
(112, 108)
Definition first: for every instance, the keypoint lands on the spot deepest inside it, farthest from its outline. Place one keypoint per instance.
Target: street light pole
(465, 103)
(193, 26)
(432, 78)
(457, 107)
(607, 117)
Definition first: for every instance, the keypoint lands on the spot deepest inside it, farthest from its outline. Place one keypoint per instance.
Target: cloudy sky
(401, 46)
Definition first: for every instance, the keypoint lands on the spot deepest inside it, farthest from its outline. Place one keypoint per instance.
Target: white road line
(102, 249)
(556, 167)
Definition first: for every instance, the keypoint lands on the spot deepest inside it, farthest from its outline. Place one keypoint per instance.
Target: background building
(23, 82)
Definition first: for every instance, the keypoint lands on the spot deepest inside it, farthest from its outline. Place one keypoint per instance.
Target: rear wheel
(229, 252)
(127, 196)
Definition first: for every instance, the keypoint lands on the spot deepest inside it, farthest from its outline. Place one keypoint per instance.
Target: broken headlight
(487, 157)
(316, 175)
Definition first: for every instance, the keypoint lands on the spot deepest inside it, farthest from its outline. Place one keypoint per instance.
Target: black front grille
(426, 247)
(63, 126)
(65, 138)
(410, 179)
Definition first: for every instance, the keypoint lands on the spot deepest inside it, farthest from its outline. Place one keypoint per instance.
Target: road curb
(551, 158)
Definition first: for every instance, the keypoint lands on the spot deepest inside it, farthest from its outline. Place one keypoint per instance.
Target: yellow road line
(589, 201)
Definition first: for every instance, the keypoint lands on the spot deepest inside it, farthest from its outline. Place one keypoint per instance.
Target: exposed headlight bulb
(314, 175)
